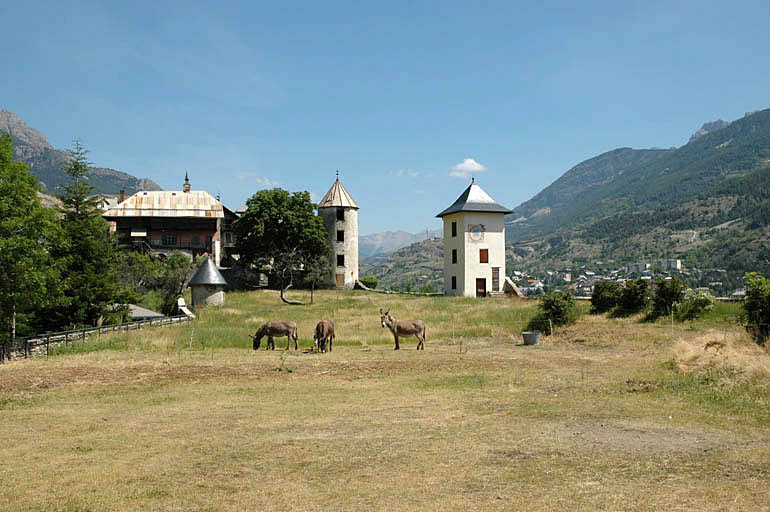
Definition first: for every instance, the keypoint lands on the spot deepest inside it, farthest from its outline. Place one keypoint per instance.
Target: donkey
(270, 329)
(324, 333)
(412, 327)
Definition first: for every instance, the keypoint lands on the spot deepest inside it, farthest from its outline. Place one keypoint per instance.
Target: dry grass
(590, 420)
(734, 353)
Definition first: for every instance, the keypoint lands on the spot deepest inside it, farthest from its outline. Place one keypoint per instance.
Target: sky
(408, 100)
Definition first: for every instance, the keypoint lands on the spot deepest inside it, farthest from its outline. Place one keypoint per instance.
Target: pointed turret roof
(474, 199)
(337, 196)
(207, 273)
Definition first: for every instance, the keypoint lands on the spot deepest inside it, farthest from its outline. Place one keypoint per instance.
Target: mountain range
(47, 163)
(707, 203)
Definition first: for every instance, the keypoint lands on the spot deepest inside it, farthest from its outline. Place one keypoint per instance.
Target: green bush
(669, 292)
(369, 281)
(756, 307)
(606, 296)
(428, 288)
(559, 307)
(693, 305)
(634, 298)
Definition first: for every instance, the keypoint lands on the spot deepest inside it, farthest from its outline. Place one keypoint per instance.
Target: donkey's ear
(388, 311)
(381, 311)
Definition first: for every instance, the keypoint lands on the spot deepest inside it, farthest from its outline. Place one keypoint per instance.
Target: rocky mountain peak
(28, 141)
(708, 128)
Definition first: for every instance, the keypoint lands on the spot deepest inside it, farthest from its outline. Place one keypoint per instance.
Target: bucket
(531, 338)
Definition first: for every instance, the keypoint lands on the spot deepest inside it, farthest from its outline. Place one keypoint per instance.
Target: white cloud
(259, 180)
(314, 197)
(404, 172)
(266, 182)
(466, 168)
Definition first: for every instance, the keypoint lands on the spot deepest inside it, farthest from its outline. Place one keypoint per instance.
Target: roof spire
(186, 187)
(473, 180)
(338, 175)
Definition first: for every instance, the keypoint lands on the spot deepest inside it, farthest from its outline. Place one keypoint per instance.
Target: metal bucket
(531, 338)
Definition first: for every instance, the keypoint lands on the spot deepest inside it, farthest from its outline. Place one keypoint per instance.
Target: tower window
(454, 228)
(340, 214)
(454, 282)
(340, 260)
(454, 255)
(483, 255)
(340, 235)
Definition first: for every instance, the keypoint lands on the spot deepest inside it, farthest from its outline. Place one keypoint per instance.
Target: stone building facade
(340, 216)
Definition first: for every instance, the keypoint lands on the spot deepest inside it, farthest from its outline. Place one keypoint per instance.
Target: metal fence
(40, 344)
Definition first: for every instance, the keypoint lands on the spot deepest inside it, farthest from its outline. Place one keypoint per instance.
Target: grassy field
(609, 414)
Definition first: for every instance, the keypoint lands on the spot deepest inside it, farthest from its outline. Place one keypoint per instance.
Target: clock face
(476, 232)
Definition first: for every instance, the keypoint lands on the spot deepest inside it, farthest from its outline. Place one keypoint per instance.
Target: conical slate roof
(337, 196)
(474, 199)
(207, 273)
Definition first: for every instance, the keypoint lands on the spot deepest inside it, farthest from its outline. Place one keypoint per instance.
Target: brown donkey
(412, 327)
(270, 329)
(324, 333)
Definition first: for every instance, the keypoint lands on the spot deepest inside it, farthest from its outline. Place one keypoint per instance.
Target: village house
(192, 222)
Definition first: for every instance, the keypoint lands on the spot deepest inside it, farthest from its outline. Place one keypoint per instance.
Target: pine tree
(88, 257)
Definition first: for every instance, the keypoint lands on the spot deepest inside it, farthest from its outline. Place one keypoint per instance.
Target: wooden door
(481, 287)
(340, 280)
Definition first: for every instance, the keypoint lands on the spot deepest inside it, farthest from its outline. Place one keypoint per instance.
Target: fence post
(47, 343)
(66, 339)
(26, 348)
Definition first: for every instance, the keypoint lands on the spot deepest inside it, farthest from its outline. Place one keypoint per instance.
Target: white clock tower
(474, 244)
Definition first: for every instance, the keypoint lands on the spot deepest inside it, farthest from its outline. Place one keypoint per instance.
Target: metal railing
(40, 344)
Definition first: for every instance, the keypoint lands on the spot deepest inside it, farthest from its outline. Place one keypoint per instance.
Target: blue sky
(404, 98)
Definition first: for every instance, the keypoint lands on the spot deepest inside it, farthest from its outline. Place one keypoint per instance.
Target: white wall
(348, 248)
(468, 267)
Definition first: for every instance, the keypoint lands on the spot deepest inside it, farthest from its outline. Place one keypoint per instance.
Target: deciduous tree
(26, 233)
(280, 230)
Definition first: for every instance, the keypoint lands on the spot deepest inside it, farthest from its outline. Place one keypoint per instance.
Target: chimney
(122, 196)
(186, 187)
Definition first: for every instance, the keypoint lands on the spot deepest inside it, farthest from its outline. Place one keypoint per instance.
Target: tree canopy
(26, 231)
(89, 260)
(281, 230)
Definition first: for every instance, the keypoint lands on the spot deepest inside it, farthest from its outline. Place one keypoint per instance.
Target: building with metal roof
(340, 216)
(190, 221)
(474, 244)
(207, 285)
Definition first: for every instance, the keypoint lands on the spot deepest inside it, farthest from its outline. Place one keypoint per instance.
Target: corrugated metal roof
(207, 273)
(166, 203)
(474, 199)
(337, 196)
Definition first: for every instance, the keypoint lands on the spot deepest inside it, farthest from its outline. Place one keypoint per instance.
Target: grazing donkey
(270, 329)
(412, 327)
(324, 333)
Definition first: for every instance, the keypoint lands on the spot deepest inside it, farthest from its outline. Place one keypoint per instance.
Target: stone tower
(474, 244)
(340, 216)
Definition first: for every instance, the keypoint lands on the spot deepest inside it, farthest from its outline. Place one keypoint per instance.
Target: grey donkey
(407, 328)
(270, 329)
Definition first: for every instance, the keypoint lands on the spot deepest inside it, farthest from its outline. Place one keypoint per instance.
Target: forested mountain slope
(706, 201)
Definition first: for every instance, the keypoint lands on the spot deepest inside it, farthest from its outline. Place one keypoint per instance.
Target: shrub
(559, 307)
(606, 296)
(428, 288)
(369, 281)
(756, 307)
(693, 305)
(669, 292)
(634, 297)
